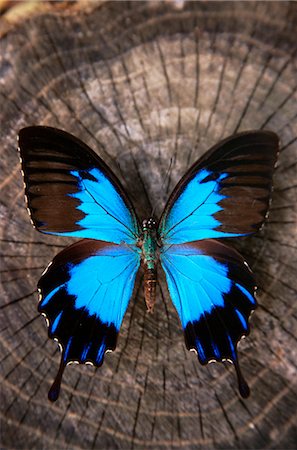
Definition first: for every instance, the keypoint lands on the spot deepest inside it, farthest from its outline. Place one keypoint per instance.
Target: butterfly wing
(84, 294)
(86, 289)
(224, 194)
(71, 191)
(212, 290)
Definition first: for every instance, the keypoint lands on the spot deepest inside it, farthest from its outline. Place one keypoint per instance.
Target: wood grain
(144, 84)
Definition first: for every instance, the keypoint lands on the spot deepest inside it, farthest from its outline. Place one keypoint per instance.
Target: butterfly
(86, 289)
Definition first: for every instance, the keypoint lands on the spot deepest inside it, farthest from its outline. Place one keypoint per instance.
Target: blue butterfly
(86, 289)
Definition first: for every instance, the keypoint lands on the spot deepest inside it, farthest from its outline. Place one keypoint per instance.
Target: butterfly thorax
(149, 246)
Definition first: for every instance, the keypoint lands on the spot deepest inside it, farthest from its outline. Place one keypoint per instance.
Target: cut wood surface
(150, 87)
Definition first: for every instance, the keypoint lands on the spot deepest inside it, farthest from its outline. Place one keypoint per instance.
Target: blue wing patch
(102, 208)
(212, 290)
(84, 295)
(192, 216)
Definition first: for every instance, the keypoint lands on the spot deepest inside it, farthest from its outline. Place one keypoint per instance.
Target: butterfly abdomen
(150, 281)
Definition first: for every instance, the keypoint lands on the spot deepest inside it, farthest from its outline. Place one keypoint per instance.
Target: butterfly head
(149, 224)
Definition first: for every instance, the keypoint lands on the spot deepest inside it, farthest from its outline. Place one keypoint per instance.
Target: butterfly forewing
(71, 191)
(226, 193)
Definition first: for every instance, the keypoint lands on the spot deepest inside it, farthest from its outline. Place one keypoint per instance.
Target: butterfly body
(149, 247)
(86, 289)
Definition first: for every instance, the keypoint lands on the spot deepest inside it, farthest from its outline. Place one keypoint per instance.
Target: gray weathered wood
(143, 83)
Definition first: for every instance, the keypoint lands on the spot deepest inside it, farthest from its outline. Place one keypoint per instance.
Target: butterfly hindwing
(84, 295)
(71, 191)
(212, 290)
(226, 193)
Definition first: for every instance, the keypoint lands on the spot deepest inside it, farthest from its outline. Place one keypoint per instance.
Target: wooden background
(143, 83)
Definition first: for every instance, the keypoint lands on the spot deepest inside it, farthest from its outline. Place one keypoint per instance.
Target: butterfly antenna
(166, 180)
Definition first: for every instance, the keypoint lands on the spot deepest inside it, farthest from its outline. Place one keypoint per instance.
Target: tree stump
(150, 86)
